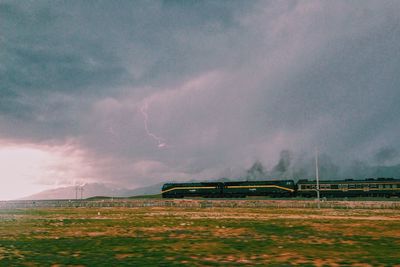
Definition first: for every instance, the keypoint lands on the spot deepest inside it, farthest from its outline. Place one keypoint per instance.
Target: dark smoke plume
(256, 172)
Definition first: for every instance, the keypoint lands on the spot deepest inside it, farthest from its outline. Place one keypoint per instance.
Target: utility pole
(76, 192)
(82, 192)
(317, 177)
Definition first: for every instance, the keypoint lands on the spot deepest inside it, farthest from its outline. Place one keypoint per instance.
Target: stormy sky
(139, 92)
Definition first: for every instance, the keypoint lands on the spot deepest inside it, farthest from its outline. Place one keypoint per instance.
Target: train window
(359, 186)
(352, 186)
(373, 186)
(334, 186)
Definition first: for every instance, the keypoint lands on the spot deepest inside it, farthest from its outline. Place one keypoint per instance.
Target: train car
(180, 190)
(283, 188)
(380, 187)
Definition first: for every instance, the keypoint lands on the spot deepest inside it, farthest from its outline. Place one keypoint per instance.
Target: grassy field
(171, 236)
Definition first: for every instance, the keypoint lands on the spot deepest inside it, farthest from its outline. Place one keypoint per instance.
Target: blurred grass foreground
(199, 236)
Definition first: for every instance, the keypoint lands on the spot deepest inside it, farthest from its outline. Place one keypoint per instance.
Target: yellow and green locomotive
(284, 188)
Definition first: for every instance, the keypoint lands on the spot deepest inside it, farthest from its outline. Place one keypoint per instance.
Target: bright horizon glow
(26, 170)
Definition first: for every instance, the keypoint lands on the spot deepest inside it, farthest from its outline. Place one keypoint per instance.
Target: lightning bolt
(160, 141)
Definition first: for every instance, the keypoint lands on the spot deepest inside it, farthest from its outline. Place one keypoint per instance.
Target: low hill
(93, 190)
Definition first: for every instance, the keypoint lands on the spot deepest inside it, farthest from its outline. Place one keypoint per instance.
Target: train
(370, 187)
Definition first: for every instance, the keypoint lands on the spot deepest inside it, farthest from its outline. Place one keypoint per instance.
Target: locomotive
(370, 187)
(283, 188)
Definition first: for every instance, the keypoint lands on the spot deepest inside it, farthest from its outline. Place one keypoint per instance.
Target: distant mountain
(147, 190)
(92, 190)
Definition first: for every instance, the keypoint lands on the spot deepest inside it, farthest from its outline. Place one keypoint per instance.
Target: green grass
(199, 237)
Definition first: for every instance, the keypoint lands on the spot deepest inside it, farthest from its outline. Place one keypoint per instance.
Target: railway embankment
(202, 203)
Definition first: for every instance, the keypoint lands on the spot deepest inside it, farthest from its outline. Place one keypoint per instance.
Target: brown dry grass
(215, 236)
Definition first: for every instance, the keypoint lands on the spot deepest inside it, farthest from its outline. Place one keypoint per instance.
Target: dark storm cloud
(92, 49)
(226, 84)
(385, 155)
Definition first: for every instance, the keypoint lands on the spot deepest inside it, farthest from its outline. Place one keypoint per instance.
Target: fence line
(199, 203)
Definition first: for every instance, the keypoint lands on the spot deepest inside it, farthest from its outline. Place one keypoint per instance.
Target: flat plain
(199, 236)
